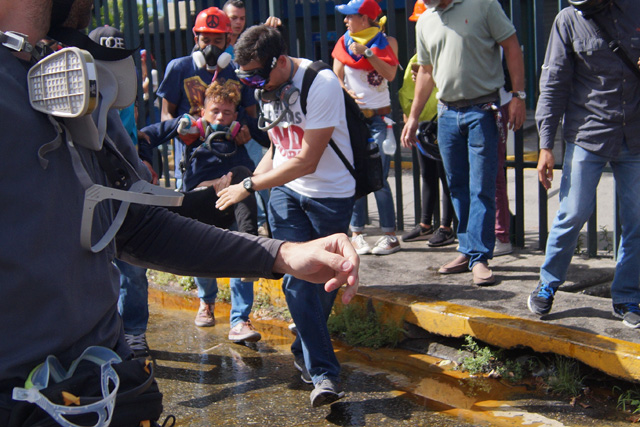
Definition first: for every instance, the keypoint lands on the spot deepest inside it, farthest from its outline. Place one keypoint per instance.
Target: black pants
(431, 170)
(201, 205)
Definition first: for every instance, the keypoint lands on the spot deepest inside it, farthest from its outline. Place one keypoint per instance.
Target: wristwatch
(248, 184)
(368, 53)
(520, 94)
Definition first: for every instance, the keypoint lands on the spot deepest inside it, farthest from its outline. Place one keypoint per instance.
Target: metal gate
(163, 28)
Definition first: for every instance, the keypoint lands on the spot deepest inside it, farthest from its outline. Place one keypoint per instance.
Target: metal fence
(163, 28)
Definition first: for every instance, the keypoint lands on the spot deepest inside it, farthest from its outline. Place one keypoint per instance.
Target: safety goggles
(258, 77)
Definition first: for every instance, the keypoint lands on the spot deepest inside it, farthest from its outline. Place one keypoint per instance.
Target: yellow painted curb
(614, 357)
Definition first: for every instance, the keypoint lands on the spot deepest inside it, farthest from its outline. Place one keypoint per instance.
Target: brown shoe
(482, 275)
(205, 316)
(458, 265)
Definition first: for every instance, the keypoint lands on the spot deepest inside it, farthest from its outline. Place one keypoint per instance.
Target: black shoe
(418, 233)
(629, 313)
(325, 393)
(305, 376)
(441, 237)
(541, 299)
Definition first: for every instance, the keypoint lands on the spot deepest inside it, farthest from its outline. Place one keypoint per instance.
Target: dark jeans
(201, 205)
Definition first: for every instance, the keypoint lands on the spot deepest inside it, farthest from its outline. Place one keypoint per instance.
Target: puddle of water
(203, 375)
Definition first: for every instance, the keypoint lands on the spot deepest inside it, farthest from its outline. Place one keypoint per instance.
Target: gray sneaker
(138, 344)
(305, 376)
(325, 393)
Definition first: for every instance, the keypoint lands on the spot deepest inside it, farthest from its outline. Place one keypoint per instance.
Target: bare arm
(338, 68)
(314, 143)
(424, 87)
(168, 111)
(515, 64)
(387, 71)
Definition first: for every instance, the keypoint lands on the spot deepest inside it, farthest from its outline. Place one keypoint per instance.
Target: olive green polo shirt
(461, 42)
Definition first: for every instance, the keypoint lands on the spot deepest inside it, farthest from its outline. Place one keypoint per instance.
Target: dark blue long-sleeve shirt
(584, 81)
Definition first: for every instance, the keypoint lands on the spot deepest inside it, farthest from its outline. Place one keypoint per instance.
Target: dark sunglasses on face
(256, 78)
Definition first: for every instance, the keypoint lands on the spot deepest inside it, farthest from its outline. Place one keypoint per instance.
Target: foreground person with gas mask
(312, 192)
(590, 78)
(58, 300)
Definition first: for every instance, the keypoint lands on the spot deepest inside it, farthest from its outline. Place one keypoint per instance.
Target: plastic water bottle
(389, 145)
(373, 150)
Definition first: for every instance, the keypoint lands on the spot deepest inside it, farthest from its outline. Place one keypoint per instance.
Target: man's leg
(207, 292)
(297, 218)
(625, 287)
(454, 152)
(483, 159)
(580, 176)
(133, 305)
(241, 328)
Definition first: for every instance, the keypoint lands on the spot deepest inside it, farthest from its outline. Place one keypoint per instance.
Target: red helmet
(212, 20)
(418, 9)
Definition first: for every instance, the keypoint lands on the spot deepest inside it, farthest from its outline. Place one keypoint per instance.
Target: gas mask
(211, 57)
(69, 86)
(286, 95)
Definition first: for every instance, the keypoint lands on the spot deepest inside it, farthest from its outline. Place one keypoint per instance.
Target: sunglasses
(256, 78)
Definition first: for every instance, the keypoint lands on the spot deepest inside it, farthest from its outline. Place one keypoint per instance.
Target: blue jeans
(580, 176)
(384, 198)
(207, 289)
(468, 141)
(297, 218)
(134, 297)
(241, 301)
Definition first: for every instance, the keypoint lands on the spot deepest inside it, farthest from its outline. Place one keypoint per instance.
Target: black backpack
(367, 168)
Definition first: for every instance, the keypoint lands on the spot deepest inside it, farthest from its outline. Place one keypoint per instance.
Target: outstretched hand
(331, 260)
(231, 195)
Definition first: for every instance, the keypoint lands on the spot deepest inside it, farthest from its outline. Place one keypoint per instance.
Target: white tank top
(369, 85)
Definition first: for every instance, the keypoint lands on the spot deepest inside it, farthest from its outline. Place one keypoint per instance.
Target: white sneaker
(502, 248)
(361, 246)
(386, 245)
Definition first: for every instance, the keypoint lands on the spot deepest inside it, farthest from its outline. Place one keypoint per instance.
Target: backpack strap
(309, 76)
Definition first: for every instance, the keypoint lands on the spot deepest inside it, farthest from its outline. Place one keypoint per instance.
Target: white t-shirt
(325, 108)
(371, 88)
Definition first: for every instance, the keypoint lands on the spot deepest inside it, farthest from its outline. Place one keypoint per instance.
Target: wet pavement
(209, 381)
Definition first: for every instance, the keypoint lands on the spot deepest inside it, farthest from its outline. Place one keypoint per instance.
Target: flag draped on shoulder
(374, 39)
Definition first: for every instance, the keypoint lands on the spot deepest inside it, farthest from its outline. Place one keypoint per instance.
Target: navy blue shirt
(184, 85)
(205, 164)
(586, 82)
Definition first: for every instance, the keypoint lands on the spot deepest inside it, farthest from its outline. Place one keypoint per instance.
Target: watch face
(247, 184)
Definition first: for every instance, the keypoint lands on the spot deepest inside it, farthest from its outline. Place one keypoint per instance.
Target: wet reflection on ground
(209, 381)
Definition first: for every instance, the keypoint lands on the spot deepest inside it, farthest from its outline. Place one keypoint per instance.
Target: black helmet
(590, 7)
(427, 135)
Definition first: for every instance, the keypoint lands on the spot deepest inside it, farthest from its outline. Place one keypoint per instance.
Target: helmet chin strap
(60, 12)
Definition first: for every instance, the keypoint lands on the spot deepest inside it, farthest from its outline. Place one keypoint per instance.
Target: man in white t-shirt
(311, 189)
